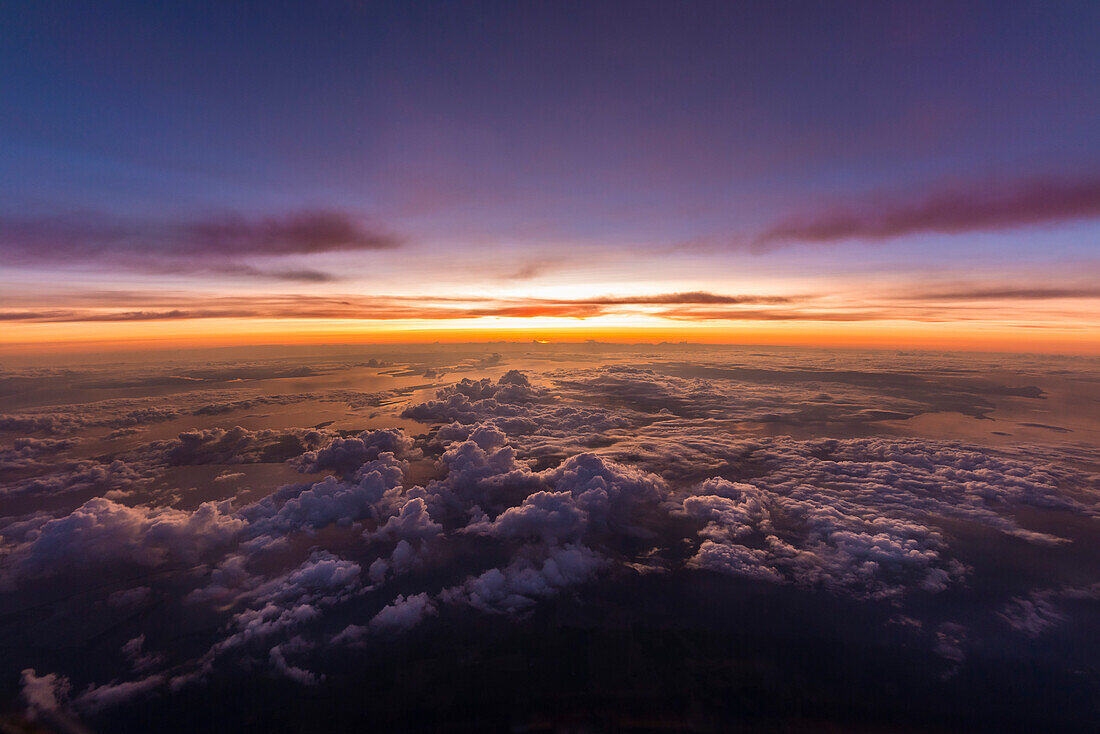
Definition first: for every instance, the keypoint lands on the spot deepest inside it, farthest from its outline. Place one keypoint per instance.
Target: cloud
(814, 540)
(299, 233)
(43, 693)
(950, 639)
(914, 305)
(518, 586)
(298, 507)
(951, 210)
(103, 531)
(1040, 610)
(218, 246)
(221, 237)
(115, 413)
(549, 516)
(412, 522)
(692, 297)
(1003, 293)
(29, 452)
(140, 660)
(294, 673)
(112, 694)
(1032, 616)
(156, 307)
(130, 599)
(532, 488)
(532, 269)
(345, 455)
(758, 314)
(403, 613)
(236, 445)
(114, 478)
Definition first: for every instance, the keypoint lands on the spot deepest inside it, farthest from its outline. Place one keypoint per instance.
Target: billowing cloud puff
(103, 531)
(345, 455)
(112, 694)
(277, 657)
(549, 516)
(519, 585)
(66, 419)
(236, 445)
(412, 522)
(735, 560)
(1031, 616)
(276, 607)
(730, 510)
(114, 479)
(1040, 611)
(403, 613)
(606, 490)
(328, 501)
(29, 452)
(43, 693)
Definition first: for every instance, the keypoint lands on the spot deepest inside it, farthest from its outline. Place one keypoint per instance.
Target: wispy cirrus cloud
(961, 303)
(948, 210)
(106, 308)
(757, 314)
(1009, 293)
(692, 297)
(224, 244)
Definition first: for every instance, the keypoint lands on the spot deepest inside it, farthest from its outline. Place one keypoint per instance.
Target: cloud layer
(520, 489)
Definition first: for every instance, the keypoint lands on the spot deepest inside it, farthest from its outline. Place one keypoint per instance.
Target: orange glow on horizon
(32, 338)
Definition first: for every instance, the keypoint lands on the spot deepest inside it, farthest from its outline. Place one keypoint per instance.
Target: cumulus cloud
(767, 535)
(279, 662)
(549, 516)
(114, 414)
(345, 455)
(1032, 616)
(270, 609)
(112, 694)
(103, 531)
(412, 522)
(403, 613)
(1040, 611)
(518, 586)
(43, 693)
(140, 660)
(30, 453)
(534, 488)
(950, 641)
(236, 445)
(303, 507)
(114, 479)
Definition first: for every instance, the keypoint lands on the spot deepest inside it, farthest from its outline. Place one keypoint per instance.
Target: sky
(857, 174)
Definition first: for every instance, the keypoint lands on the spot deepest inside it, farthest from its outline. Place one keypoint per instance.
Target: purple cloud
(951, 210)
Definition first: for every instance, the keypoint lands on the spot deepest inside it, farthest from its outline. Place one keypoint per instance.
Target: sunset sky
(549, 365)
(777, 173)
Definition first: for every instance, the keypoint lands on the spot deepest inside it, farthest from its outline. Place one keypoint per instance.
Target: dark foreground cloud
(950, 210)
(519, 490)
